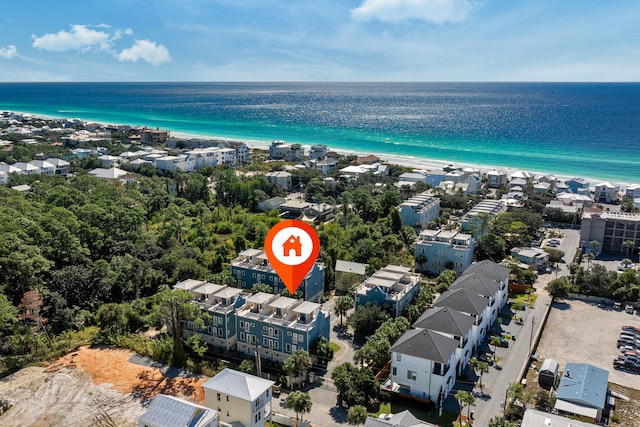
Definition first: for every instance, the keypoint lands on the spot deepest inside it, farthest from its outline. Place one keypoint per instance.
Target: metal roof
(238, 384)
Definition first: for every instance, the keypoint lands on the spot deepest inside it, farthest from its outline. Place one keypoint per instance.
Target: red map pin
(292, 247)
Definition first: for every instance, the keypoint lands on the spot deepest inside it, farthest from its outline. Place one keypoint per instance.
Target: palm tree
(357, 415)
(594, 245)
(495, 342)
(300, 402)
(628, 245)
(589, 258)
(465, 398)
(343, 305)
(483, 368)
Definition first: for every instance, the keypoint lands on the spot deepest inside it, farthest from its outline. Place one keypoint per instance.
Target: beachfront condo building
(280, 150)
(438, 250)
(605, 192)
(154, 136)
(393, 287)
(611, 230)
(252, 267)
(419, 210)
(278, 326)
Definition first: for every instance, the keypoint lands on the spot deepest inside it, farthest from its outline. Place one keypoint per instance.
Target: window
(394, 372)
(242, 336)
(398, 357)
(227, 398)
(220, 332)
(241, 324)
(288, 348)
(411, 375)
(218, 396)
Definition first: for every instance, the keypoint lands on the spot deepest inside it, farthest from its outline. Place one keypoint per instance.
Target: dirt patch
(128, 372)
(103, 387)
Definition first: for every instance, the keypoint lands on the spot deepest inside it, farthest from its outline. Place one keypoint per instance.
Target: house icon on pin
(292, 244)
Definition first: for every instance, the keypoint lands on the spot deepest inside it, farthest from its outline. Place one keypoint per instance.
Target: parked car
(631, 328)
(617, 305)
(629, 308)
(625, 348)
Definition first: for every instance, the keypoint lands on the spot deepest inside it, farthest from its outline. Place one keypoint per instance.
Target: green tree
(495, 342)
(177, 308)
(367, 319)
(247, 366)
(357, 415)
(499, 421)
(482, 368)
(465, 398)
(356, 386)
(300, 402)
(589, 257)
(342, 306)
(8, 314)
(297, 365)
(628, 247)
(559, 288)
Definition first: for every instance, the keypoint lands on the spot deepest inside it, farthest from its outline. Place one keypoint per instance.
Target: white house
(423, 364)
(420, 209)
(169, 411)
(470, 303)
(496, 179)
(46, 167)
(239, 397)
(605, 192)
(108, 161)
(280, 178)
(27, 168)
(62, 166)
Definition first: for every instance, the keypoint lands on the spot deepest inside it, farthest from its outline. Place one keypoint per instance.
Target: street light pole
(533, 321)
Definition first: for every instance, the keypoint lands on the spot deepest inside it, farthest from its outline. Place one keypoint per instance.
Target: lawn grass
(333, 346)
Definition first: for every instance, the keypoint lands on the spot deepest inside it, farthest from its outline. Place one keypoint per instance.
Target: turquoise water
(590, 130)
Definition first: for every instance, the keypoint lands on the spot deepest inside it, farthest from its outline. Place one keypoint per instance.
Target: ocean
(590, 130)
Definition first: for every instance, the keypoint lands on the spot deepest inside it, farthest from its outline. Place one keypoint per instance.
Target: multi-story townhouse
(241, 399)
(485, 287)
(327, 165)
(154, 136)
(280, 150)
(174, 163)
(280, 178)
(496, 179)
(242, 151)
(393, 287)
(278, 326)
(203, 157)
(318, 151)
(471, 304)
(420, 209)
(107, 161)
(453, 324)
(632, 192)
(473, 220)
(61, 166)
(226, 156)
(252, 267)
(611, 230)
(220, 302)
(437, 250)
(495, 272)
(423, 364)
(605, 192)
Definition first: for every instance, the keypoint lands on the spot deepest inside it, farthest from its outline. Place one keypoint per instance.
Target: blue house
(278, 326)
(437, 250)
(393, 287)
(252, 267)
(583, 390)
(578, 185)
(220, 302)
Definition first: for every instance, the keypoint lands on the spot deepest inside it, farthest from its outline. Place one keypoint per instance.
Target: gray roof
(462, 300)
(584, 384)
(534, 418)
(282, 302)
(238, 384)
(306, 307)
(425, 344)
(446, 320)
(401, 419)
(208, 288)
(188, 284)
(169, 411)
(478, 283)
(489, 269)
(228, 292)
(260, 298)
(351, 267)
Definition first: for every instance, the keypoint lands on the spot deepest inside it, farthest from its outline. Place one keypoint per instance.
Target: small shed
(548, 374)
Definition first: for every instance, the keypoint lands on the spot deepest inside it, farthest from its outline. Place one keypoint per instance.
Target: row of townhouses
(425, 360)
(393, 287)
(273, 325)
(49, 167)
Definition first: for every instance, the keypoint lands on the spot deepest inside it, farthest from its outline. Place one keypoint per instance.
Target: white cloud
(146, 50)
(81, 37)
(436, 11)
(8, 52)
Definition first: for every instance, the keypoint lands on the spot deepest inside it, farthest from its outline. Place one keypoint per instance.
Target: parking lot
(580, 331)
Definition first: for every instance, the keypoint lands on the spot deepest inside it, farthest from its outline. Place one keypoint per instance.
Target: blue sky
(320, 40)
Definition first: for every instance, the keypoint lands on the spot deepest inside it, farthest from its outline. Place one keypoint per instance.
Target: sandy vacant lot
(92, 387)
(581, 332)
